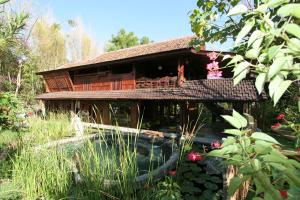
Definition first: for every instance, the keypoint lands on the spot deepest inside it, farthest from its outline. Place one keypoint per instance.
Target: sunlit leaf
(245, 30)
(237, 10)
(293, 29)
(240, 77)
(240, 118)
(276, 3)
(256, 39)
(274, 84)
(292, 9)
(263, 136)
(260, 82)
(281, 90)
(233, 121)
(233, 131)
(273, 51)
(276, 66)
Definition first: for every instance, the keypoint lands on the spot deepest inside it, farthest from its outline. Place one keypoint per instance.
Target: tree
(12, 45)
(49, 45)
(125, 40)
(80, 44)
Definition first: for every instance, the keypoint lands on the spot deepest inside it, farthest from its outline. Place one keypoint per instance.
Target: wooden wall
(94, 82)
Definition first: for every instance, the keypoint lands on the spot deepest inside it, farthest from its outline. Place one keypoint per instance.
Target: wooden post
(103, 116)
(134, 115)
(180, 69)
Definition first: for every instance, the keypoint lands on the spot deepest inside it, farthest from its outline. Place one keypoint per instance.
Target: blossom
(283, 194)
(172, 172)
(212, 55)
(298, 150)
(280, 116)
(215, 144)
(194, 156)
(275, 126)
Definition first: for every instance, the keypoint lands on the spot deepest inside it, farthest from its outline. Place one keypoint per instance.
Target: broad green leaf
(229, 141)
(277, 65)
(276, 3)
(233, 131)
(258, 185)
(237, 10)
(292, 9)
(263, 136)
(256, 164)
(240, 118)
(240, 68)
(281, 90)
(273, 51)
(240, 77)
(294, 163)
(256, 39)
(225, 57)
(273, 159)
(263, 58)
(294, 45)
(262, 147)
(234, 185)
(293, 29)
(260, 82)
(278, 166)
(274, 84)
(235, 59)
(233, 121)
(252, 53)
(4, 1)
(245, 30)
(262, 8)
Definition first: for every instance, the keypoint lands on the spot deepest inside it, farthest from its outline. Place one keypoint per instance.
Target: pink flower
(275, 126)
(212, 55)
(215, 145)
(194, 156)
(218, 74)
(298, 149)
(283, 194)
(280, 116)
(172, 172)
(209, 66)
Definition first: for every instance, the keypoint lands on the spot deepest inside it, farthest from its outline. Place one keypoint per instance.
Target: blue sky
(157, 19)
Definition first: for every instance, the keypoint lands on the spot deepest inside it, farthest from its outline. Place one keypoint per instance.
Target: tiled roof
(141, 50)
(198, 90)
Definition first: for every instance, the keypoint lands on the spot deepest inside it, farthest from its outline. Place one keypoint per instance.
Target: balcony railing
(164, 82)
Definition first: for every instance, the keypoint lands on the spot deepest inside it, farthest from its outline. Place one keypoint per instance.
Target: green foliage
(168, 190)
(258, 158)
(271, 37)
(8, 110)
(205, 21)
(124, 40)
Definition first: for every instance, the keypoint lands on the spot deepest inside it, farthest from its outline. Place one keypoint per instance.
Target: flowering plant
(213, 67)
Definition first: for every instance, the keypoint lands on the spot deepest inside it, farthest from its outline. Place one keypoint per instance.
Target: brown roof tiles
(197, 90)
(141, 50)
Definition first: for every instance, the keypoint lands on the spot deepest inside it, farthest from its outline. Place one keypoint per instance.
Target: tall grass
(43, 174)
(106, 170)
(54, 127)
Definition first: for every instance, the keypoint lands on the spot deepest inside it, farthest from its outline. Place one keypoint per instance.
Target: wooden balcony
(164, 82)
